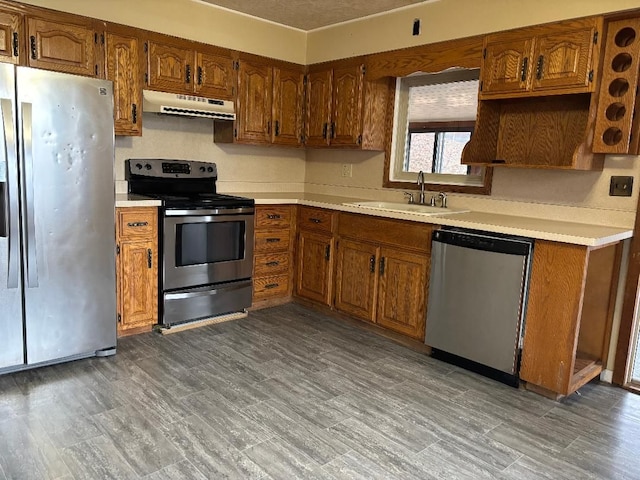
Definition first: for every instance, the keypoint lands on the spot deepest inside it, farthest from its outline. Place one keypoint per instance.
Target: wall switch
(621, 186)
(347, 170)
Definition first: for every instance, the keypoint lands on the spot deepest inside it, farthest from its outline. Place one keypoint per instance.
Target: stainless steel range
(206, 239)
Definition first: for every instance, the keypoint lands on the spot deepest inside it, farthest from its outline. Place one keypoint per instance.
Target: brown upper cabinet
(10, 36)
(65, 43)
(124, 60)
(541, 60)
(343, 109)
(176, 66)
(268, 105)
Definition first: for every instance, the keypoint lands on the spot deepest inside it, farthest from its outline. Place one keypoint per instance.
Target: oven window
(209, 242)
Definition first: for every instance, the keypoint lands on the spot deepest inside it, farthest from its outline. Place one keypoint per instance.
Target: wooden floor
(289, 393)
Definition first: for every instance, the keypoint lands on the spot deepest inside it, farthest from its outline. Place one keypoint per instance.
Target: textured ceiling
(312, 14)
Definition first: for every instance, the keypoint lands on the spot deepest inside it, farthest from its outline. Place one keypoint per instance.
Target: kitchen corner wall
(554, 194)
(240, 168)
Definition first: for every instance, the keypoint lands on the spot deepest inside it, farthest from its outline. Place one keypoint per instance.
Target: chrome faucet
(443, 199)
(421, 185)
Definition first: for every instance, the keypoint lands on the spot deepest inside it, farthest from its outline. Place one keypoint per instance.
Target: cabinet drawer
(137, 222)
(272, 241)
(270, 287)
(270, 264)
(273, 217)
(317, 219)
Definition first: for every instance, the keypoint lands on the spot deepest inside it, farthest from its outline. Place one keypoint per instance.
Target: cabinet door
(138, 284)
(314, 267)
(403, 291)
(318, 108)
(253, 108)
(506, 67)
(214, 76)
(123, 68)
(62, 47)
(357, 279)
(563, 60)
(170, 68)
(346, 123)
(288, 97)
(10, 36)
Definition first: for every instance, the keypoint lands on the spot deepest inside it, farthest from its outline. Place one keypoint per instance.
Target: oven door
(204, 247)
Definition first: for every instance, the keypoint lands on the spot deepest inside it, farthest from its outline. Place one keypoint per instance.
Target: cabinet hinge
(117, 249)
(235, 133)
(301, 138)
(119, 318)
(484, 53)
(359, 140)
(595, 38)
(146, 78)
(102, 38)
(146, 47)
(304, 80)
(591, 76)
(481, 84)
(96, 69)
(95, 38)
(363, 68)
(236, 65)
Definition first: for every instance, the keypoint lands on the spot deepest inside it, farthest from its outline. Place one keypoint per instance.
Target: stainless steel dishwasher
(477, 300)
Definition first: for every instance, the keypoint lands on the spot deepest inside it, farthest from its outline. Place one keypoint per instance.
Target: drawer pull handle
(149, 258)
(372, 264)
(273, 240)
(273, 216)
(273, 264)
(271, 285)
(327, 253)
(34, 48)
(315, 220)
(137, 224)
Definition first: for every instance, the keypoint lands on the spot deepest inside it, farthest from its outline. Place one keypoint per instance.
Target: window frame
(437, 182)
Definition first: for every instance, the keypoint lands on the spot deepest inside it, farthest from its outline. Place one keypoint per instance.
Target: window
(434, 118)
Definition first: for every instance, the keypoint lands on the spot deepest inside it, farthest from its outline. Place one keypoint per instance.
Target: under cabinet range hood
(187, 105)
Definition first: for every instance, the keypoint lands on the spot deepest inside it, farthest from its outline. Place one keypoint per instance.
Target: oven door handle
(205, 293)
(213, 211)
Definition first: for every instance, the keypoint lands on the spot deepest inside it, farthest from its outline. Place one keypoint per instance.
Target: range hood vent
(187, 105)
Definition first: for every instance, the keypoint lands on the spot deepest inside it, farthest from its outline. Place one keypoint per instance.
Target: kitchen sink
(405, 208)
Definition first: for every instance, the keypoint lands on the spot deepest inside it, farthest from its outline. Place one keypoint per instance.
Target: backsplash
(240, 167)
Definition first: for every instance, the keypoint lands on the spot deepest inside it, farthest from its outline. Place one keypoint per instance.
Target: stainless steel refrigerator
(57, 227)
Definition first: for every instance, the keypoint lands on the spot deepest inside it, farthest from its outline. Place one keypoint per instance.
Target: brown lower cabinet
(382, 272)
(569, 314)
(272, 262)
(136, 269)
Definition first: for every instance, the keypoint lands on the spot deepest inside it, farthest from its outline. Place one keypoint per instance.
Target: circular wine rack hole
(621, 62)
(618, 87)
(612, 136)
(625, 37)
(615, 111)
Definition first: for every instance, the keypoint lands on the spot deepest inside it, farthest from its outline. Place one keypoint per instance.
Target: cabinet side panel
(553, 312)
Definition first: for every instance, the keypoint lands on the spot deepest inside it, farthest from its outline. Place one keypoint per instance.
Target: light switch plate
(621, 186)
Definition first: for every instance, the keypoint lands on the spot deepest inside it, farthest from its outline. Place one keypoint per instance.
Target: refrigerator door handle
(31, 262)
(9, 192)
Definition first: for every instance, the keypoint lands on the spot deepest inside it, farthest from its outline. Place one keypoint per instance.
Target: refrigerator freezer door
(68, 205)
(11, 331)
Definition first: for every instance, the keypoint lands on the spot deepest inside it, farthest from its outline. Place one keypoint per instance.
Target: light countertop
(538, 228)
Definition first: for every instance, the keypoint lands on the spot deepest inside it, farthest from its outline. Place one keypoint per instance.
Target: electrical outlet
(621, 186)
(347, 170)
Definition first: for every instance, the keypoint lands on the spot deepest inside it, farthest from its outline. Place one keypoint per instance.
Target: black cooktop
(203, 200)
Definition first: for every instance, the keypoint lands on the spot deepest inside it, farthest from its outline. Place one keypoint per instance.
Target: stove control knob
(202, 169)
(209, 169)
(139, 166)
(147, 166)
